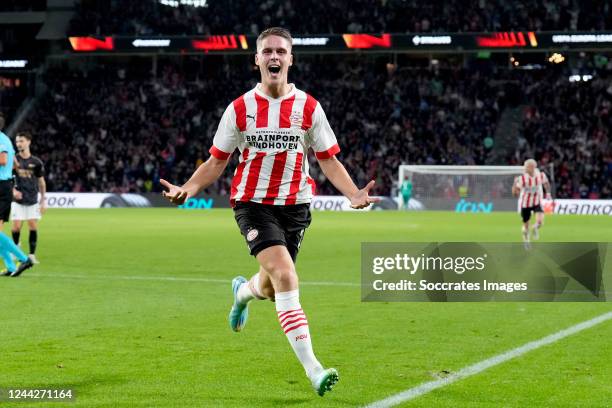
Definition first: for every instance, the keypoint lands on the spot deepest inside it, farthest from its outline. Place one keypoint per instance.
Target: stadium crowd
(12, 93)
(22, 5)
(569, 123)
(151, 17)
(119, 129)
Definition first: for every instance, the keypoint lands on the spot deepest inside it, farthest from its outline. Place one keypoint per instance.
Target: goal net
(460, 188)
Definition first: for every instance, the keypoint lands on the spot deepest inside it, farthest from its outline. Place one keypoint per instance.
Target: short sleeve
(39, 170)
(226, 137)
(520, 182)
(323, 139)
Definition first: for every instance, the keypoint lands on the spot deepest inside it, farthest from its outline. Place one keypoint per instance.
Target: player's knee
(288, 278)
(283, 274)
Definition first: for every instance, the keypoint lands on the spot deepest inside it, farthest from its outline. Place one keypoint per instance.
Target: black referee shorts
(6, 198)
(526, 212)
(265, 225)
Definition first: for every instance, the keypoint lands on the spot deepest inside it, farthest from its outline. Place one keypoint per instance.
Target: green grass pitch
(129, 308)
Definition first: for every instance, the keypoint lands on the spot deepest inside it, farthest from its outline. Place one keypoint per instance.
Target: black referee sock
(33, 240)
(16, 237)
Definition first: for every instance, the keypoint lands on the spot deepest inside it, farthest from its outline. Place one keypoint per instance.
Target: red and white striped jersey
(273, 136)
(531, 188)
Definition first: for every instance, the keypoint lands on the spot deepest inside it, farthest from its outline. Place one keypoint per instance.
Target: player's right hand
(175, 194)
(17, 194)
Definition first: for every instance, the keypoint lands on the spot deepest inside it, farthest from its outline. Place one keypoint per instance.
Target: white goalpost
(450, 187)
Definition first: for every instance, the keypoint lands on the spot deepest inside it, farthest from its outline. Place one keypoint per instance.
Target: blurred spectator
(568, 124)
(22, 5)
(12, 93)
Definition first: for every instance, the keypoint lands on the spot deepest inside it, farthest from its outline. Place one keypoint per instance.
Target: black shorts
(265, 225)
(6, 197)
(526, 212)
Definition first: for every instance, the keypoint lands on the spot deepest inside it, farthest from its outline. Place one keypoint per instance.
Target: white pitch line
(172, 279)
(474, 369)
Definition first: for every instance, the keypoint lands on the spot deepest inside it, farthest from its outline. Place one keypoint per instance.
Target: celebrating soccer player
(531, 187)
(273, 125)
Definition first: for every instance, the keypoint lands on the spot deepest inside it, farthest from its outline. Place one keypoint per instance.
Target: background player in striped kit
(273, 126)
(530, 187)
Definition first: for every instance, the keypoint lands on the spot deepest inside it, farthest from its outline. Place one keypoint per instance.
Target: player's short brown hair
(25, 134)
(278, 31)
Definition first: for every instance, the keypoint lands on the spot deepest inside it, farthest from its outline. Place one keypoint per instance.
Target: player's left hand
(362, 199)
(175, 194)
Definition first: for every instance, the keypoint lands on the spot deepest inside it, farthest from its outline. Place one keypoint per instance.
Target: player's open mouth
(274, 69)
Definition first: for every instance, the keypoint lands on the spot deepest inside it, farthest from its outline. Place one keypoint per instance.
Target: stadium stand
(119, 128)
(339, 16)
(22, 5)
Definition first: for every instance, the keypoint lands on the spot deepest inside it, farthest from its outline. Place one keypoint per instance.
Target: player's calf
(535, 231)
(294, 323)
(251, 290)
(525, 233)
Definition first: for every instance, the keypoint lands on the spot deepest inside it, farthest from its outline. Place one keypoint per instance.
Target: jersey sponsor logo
(252, 234)
(276, 139)
(23, 173)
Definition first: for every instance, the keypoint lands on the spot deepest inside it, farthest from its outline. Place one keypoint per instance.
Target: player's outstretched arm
(547, 190)
(42, 188)
(515, 188)
(203, 177)
(339, 177)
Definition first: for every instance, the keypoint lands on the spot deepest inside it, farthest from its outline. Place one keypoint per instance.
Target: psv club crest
(296, 118)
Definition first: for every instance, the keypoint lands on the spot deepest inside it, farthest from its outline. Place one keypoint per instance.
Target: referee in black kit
(7, 246)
